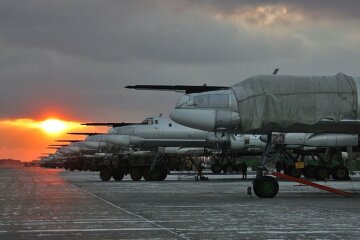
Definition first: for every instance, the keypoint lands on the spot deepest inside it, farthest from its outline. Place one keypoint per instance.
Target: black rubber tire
(292, 171)
(216, 168)
(118, 176)
(105, 174)
(265, 187)
(156, 174)
(309, 171)
(136, 174)
(228, 169)
(146, 174)
(322, 173)
(164, 174)
(340, 173)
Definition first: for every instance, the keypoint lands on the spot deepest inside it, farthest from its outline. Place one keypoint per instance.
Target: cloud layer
(74, 58)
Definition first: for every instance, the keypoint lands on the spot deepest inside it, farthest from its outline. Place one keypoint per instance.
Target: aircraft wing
(110, 124)
(85, 133)
(178, 88)
(70, 141)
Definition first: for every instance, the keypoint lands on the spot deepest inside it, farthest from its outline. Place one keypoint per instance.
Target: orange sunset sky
(27, 139)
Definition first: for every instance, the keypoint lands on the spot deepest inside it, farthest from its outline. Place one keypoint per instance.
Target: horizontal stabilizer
(179, 88)
(110, 124)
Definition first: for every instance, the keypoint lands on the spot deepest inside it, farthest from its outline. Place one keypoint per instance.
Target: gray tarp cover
(289, 100)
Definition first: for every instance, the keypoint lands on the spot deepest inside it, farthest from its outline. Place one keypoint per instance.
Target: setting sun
(53, 126)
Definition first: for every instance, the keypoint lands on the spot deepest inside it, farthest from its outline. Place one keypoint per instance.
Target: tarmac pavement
(37, 203)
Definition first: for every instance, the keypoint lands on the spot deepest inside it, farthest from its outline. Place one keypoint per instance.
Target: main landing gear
(265, 186)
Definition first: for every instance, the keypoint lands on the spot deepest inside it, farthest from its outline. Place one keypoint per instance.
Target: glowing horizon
(26, 139)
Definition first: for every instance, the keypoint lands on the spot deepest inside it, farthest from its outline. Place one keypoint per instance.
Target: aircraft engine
(321, 139)
(183, 151)
(217, 138)
(252, 143)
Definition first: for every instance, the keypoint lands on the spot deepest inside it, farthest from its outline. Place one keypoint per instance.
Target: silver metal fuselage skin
(156, 132)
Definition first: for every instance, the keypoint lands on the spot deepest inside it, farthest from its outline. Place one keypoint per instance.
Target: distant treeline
(9, 162)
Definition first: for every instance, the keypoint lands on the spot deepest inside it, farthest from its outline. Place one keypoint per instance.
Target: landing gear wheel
(322, 173)
(164, 174)
(340, 173)
(158, 174)
(118, 176)
(292, 171)
(265, 187)
(105, 174)
(216, 168)
(146, 174)
(136, 174)
(228, 169)
(309, 171)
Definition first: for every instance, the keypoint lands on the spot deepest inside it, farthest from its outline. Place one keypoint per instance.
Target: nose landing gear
(265, 187)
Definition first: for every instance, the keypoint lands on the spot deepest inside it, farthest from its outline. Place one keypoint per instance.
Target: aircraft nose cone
(120, 140)
(195, 118)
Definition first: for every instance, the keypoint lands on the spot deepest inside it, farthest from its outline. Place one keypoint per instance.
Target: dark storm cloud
(76, 56)
(128, 30)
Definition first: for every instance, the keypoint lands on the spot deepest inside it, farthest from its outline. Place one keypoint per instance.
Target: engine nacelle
(182, 151)
(317, 139)
(242, 142)
(217, 138)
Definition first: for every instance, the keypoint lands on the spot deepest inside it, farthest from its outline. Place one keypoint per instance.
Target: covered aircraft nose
(195, 118)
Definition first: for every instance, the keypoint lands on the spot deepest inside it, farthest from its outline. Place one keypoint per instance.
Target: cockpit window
(211, 101)
(204, 100)
(148, 121)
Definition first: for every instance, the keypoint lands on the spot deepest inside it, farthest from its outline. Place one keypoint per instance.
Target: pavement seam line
(128, 212)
